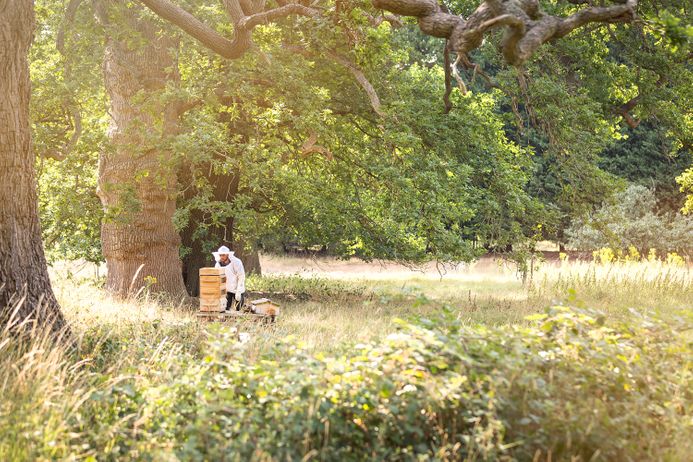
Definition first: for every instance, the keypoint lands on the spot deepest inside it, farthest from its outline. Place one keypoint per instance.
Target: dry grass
(487, 292)
(353, 301)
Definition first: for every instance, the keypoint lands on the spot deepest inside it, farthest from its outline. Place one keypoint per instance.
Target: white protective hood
(221, 250)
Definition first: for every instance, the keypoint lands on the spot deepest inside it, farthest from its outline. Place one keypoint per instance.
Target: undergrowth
(567, 386)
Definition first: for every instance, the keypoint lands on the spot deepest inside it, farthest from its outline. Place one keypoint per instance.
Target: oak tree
(25, 289)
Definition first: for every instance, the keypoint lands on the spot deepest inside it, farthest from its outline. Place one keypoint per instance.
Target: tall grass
(41, 386)
(616, 287)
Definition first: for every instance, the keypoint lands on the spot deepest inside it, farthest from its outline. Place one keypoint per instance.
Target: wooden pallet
(235, 316)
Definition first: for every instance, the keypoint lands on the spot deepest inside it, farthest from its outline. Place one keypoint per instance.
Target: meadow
(585, 361)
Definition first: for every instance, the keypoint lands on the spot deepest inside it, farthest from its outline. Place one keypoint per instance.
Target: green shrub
(632, 220)
(567, 386)
(303, 288)
(686, 182)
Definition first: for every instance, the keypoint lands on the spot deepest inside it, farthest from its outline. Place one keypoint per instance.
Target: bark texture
(24, 283)
(137, 182)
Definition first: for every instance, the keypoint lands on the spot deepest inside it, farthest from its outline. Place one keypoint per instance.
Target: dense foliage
(69, 128)
(282, 147)
(646, 156)
(381, 157)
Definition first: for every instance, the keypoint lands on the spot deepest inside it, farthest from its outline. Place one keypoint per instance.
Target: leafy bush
(567, 386)
(304, 288)
(632, 220)
(686, 182)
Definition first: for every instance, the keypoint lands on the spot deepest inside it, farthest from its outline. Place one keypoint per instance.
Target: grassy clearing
(351, 301)
(149, 382)
(327, 303)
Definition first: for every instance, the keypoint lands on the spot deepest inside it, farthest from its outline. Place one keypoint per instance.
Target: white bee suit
(235, 273)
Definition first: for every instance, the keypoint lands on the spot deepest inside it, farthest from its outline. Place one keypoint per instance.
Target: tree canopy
(351, 127)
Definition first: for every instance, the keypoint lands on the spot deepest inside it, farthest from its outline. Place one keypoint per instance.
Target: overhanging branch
(361, 79)
(527, 27)
(243, 24)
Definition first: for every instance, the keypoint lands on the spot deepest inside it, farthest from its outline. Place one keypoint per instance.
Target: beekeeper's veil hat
(223, 250)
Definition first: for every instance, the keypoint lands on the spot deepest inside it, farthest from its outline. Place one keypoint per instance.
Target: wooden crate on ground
(264, 306)
(262, 310)
(212, 289)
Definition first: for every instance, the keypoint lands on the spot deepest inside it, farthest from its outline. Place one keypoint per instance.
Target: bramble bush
(302, 288)
(565, 386)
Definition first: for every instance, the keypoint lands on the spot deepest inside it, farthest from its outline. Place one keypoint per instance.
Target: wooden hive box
(212, 289)
(264, 306)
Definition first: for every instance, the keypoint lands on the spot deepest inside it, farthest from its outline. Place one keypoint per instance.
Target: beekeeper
(235, 277)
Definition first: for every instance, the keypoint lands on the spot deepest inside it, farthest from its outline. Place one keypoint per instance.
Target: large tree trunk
(24, 282)
(137, 181)
(201, 243)
(200, 255)
(247, 251)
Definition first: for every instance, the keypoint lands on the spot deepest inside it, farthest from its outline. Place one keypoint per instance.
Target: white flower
(406, 389)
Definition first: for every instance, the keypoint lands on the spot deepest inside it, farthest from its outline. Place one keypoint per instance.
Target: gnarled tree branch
(249, 22)
(527, 26)
(244, 24)
(351, 67)
(361, 79)
(69, 104)
(70, 12)
(624, 111)
(392, 19)
(311, 147)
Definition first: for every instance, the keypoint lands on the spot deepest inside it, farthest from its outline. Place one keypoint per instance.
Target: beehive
(212, 289)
